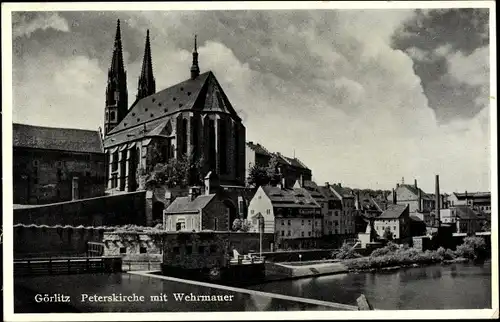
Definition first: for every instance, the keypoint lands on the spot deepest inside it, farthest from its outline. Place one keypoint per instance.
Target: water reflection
(431, 287)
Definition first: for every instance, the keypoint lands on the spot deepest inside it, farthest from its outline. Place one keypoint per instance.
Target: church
(193, 118)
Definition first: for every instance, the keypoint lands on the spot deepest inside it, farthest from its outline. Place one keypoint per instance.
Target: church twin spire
(116, 90)
(147, 85)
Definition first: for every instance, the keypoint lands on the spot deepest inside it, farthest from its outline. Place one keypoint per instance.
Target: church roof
(203, 94)
(53, 138)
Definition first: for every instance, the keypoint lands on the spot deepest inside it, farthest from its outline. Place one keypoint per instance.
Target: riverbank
(393, 257)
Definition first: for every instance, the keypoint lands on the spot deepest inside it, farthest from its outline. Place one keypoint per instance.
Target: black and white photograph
(249, 160)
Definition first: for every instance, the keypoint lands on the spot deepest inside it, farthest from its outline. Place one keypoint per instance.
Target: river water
(454, 286)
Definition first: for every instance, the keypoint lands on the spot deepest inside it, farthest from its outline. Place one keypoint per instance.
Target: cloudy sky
(363, 97)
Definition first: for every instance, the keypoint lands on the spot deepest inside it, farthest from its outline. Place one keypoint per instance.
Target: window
(302, 222)
(181, 224)
(309, 221)
(112, 116)
(302, 234)
(123, 250)
(59, 175)
(309, 234)
(143, 250)
(268, 211)
(282, 233)
(215, 223)
(394, 228)
(189, 250)
(289, 233)
(289, 223)
(282, 223)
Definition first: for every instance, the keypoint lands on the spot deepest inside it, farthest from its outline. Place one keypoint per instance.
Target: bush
(472, 248)
(346, 252)
(389, 248)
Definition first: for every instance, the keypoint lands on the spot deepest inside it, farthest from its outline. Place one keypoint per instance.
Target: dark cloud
(457, 30)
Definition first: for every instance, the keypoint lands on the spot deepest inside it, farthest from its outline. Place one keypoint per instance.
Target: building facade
(288, 213)
(464, 219)
(348, 213)
(192, 119)
(480, 201)
(395, 219)
(56, 164)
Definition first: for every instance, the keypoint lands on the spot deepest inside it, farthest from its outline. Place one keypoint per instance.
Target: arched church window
(184, 134)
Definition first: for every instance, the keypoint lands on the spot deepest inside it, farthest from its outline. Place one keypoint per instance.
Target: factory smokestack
(438, 201)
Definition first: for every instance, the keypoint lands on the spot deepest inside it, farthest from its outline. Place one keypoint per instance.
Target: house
(477, 200)
(347, 214)
(396, 219)
(411, 195)
(56, 164)
(193, 119)
(211, 207)
(291, 169)
(464, 218)
(289, 213)
(322, 200)
(332, 217)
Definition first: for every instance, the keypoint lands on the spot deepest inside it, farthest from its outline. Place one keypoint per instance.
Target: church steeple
(195, 69)
(147, 84)
(116, 89)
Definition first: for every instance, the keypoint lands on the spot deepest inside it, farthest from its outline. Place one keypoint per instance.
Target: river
(454, 286)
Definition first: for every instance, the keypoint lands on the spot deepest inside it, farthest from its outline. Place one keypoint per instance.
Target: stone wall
(56, 241)
(114, 210)
(44, 176)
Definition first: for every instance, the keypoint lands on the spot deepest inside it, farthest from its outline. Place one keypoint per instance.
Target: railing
(246, 260)
(131, 265)
(66, 265)
(95, 249)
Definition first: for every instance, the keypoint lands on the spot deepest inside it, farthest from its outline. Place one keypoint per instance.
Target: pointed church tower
(116, 90)
(195, 69)
(147, 84)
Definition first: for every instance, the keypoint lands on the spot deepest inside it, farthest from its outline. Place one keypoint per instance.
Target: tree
(388, 234)
(261, 175)
(183, 171)
(241, 225)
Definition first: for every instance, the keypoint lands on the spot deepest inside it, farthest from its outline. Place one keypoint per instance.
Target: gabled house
(347, 222)
(395, 218)
(288, 213)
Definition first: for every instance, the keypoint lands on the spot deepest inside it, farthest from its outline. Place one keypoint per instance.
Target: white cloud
(354, 111)
(43, 21)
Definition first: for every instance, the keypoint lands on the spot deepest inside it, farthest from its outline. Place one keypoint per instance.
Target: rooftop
(290, 198)
(53, 138)
(393, 212)
(185, 205)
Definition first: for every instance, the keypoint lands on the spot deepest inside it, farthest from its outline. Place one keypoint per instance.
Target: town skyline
(339, 135)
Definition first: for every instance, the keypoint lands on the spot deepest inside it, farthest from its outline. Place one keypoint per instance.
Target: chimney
(438, 202)
(416, 183)
(327, 184)
(301, 181)
(75, 193)
(191, 194)
(283, 183)
(394, 197)
(168, 198)
(397, 185)
(340, 185)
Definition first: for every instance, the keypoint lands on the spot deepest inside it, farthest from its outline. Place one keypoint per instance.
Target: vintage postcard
(249, 160)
